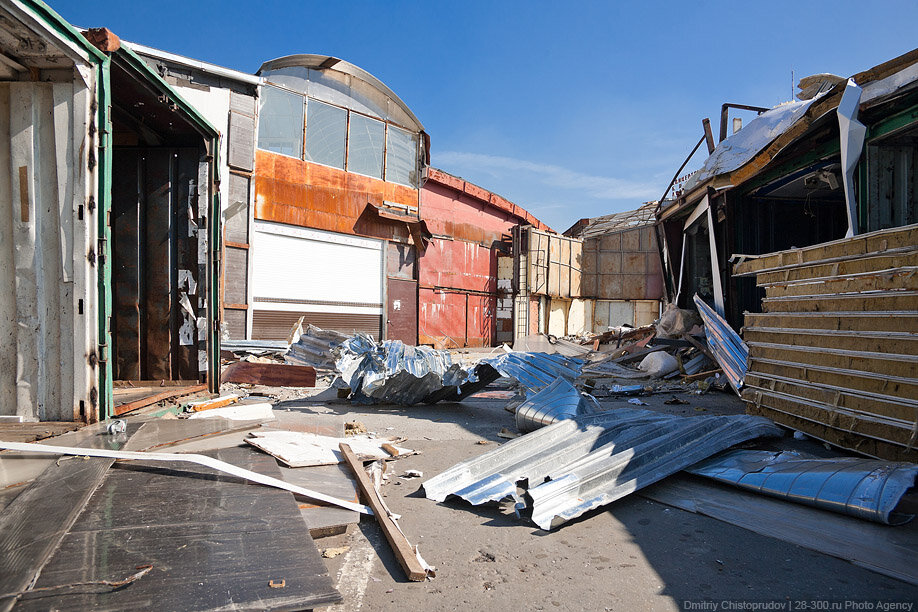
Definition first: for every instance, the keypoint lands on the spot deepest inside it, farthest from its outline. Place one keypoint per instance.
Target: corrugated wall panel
(276, 325)
(44, 371)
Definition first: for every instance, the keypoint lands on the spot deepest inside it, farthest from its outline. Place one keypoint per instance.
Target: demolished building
(806, 200)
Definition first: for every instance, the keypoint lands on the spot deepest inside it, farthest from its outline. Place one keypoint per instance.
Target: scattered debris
(412, 474)
(354, 428)
(636, 402)
(331, 553)
(277, 584)
(675, 401)
(299, 449)
(507, 434)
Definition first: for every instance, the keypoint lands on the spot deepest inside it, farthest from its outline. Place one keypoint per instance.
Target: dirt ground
(632, 555)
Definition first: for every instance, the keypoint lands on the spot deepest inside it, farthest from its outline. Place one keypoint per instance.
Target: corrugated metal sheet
(579, 464)
(558, 401)
(536, 370)
(864, 488)
(728, 348)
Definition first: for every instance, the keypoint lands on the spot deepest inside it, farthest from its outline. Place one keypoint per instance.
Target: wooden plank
(128, 384)
(215, 542)
(270, 374)
(406, 556)
(158, 397)
(891, 321)
(873, 342)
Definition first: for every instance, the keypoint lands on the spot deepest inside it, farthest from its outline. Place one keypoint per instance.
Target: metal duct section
(558, 401)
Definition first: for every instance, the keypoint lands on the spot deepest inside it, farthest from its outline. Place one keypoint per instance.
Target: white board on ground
(239, 412)
(297, 449)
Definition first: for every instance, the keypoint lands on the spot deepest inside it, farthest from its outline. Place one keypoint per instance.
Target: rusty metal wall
(623, 266)
(296, 192)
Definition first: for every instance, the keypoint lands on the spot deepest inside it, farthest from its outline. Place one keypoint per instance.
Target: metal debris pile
(584, 462)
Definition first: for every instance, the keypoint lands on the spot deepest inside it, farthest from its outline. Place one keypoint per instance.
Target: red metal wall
(458, 271)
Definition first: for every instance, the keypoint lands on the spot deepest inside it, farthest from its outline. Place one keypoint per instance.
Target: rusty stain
(24, 194)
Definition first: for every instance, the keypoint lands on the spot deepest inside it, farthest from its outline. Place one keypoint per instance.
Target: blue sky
(568, 109)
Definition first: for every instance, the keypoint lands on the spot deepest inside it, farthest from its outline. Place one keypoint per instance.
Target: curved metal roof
(389, 105)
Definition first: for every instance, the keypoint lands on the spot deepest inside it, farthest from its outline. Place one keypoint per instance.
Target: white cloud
(579, 183)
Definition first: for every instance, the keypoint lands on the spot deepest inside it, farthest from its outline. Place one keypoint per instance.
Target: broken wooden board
(270, 374)
(29, 432)
(169, 394)
(297, 449)
(407, 556)
(215, 542)
(216, 402)
(337, 480)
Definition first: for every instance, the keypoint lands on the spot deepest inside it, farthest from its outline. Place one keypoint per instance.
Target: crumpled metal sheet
(731, 352)
(559, 400)
(535, 371)
(582, 463)
(865, 488)
(393, 372)
(315, 348)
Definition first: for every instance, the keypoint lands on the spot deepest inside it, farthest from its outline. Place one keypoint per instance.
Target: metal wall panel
(623, 266)
(47, 284)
